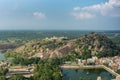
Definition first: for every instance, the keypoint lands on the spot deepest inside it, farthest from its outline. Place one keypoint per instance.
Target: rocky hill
(48, 47)
(93, 44)
(97, 44)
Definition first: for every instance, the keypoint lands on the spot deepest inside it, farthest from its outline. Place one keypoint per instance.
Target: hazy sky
(60, 14)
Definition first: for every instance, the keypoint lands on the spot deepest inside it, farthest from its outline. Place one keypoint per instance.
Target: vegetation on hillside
(97, 45)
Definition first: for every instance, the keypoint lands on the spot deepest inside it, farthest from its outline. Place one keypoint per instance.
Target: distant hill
(92, 44)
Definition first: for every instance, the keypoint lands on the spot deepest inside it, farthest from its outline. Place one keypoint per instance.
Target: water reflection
(2, 56)
(92, 74)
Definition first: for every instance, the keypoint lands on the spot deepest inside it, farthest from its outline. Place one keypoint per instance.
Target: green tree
(2, 78)
(17, 77)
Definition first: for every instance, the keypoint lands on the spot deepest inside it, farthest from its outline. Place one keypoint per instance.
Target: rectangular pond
(92, 74)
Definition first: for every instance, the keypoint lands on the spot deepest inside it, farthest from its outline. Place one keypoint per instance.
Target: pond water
(76, 74)
(2, 56)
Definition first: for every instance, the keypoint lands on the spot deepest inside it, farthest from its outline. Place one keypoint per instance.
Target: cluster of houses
(112, 62)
